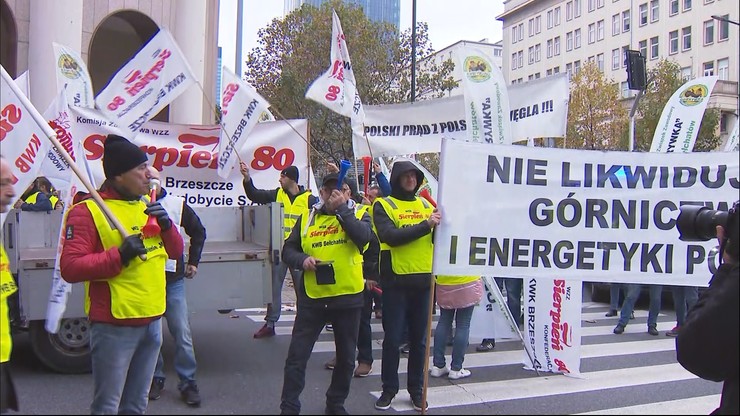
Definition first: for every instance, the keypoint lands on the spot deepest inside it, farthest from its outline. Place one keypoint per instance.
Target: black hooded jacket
(389, 234)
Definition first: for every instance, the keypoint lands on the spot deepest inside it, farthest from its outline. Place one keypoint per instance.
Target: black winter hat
(120, 156)
(291, 172)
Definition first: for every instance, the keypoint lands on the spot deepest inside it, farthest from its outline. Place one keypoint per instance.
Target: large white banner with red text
(146, 84)
(187, 156)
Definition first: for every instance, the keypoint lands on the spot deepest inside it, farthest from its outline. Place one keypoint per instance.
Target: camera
(699, 223)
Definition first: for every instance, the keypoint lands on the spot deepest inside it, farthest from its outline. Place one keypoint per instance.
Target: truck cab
(235, 272)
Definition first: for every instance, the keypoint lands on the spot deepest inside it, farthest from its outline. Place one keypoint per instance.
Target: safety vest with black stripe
(416, 256)
(32, 199)
(139, 290)
(292, 210)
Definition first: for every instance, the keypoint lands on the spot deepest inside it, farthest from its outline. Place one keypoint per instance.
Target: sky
(472, 20)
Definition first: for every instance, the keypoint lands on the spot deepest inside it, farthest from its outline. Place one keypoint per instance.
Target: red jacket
(84, 260)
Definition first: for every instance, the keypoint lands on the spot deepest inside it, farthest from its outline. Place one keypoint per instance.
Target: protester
(404, 223)
(707, 342)
(327, 242)
(456, 297)
(684, 298)
(295, 200)
(628, 307)
(125, 295)
(40, 198)
(176, 313)
(8, 396)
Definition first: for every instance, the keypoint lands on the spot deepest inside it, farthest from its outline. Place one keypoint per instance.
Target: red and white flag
(151, 80)
(336, 88)
(241, 109)
(23, 134)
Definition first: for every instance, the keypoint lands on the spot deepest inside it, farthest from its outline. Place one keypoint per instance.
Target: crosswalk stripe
(485, 392)
(702, 405)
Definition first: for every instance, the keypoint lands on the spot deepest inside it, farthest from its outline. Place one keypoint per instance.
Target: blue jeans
(278, 278)
(179, 326)
(460, 343)
(614, 289)
(123, 360)
(684, 298)
(633, 292)
(365, 333)
(404, 308)
(513, 296)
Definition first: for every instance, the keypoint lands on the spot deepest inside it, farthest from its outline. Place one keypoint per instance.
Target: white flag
(336, 89)
(23, 135)
(157, 75)
(72, 73)
(241, 108)
(23, 84)
(486, 97)
(732, 141)
(681, 117)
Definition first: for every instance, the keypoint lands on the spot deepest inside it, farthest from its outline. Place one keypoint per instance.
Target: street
(632, 373)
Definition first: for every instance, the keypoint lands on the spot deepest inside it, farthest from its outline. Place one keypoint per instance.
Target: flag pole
(49, 133)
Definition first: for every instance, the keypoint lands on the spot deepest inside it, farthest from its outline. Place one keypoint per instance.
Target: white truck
(235, 272)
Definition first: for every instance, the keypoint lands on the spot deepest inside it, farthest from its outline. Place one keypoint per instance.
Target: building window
(513, 61)
(673, 8)
(686, 5)
(600, 30)
(549, 48)
(557, 16)
(724, 28)
(592, 33)
(530, 78)
(686, 73)
(537, 52)
(624, 86)
(577, 39)
(513, 34)
(625, 21)
(569, 70)
(538, 24)
(520, 56)
(569, 41)
(643, 47)
(548, 72)
(624, 56)
(643, 13)
(556, 45)
(599, 4)
(531, 55)
(708, 68)
(577, 8)
(591, 5)
(673, 42)
(654, 48)
(569, 11)
(556, 70)
(723, 69)
(531, 28)
(600, 61)
(616, 23)
(686, 36)
(654, 10)
(615, 59)
(709, 32)
(576, 67)
(549, 19)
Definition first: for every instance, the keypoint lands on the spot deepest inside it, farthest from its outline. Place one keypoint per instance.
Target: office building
(388, 11)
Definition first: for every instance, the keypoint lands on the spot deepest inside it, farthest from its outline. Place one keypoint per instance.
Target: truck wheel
(67, 351)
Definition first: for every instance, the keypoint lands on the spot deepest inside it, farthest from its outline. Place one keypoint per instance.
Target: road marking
(702, 405)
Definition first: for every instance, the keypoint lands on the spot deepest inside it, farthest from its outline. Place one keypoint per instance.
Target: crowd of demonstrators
(295, 200)
(39, 197)
(404, 224)
(628, 307)
(176, 312)
(125, 295)
(707, 341)
(8, 397)
(327, 243)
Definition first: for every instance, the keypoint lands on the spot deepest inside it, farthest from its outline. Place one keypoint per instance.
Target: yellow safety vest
(7, 288)
(456, 280)
(139, 291)
(416, 256)
(292, 210)
(32, 199)
(325, 239)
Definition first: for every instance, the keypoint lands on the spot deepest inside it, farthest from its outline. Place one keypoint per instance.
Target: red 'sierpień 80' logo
(266, 157)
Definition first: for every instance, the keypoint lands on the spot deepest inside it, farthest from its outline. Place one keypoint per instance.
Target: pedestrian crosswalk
(632, 373)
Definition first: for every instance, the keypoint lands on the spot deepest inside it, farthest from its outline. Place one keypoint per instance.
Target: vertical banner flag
(151, 80)
(72, 72)
(732, 141)
(22, 83)
(336, 89)
(486, 97)
(23, 137)
(489, 318)
(241, 108)
(681, 117)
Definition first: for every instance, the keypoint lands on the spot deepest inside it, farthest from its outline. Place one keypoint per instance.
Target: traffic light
(636, 73)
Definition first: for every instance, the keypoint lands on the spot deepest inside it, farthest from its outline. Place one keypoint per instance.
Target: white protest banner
(336, 89)
(486, 97)
(541, 212)
(538, 109)
(23, 84)
(681, 117)
(732, 140)
(23, 135)
(146, 84)
(489, 318)
(187, 156)
(72, 73)
(241, 108)
(552, 311)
